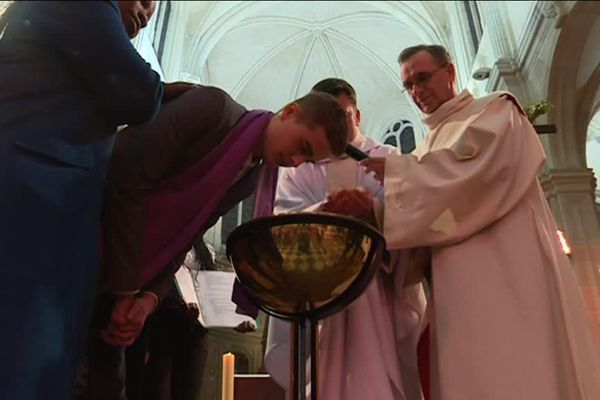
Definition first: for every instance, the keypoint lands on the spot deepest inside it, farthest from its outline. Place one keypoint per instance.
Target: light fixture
(481, 74)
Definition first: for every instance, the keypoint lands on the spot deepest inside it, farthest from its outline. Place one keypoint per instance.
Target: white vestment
(367, 349)
(507, 317)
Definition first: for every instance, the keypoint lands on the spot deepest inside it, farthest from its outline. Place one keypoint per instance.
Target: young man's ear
(290, 110)
(452, 71)
(357, 116)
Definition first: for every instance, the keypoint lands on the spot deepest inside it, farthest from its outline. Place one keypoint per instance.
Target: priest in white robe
(368, 350)
(507, 319)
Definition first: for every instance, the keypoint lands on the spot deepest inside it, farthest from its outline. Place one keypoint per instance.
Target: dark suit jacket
(185, 130)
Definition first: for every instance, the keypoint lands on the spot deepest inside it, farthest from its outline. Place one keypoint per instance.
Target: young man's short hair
(336, 87)
(323, 110)
(439, 53)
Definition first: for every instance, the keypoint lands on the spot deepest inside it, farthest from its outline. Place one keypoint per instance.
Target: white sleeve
(299, 188)
(450, 194)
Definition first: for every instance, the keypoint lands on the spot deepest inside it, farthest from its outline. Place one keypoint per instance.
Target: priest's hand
(128, 318)
(244, 327)
(357, 203)
(375, 165)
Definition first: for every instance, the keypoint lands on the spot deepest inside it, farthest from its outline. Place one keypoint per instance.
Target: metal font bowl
(305, 265)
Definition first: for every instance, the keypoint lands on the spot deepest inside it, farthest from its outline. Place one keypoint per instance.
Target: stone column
(507, 75)
(497, 25)
(461, 41)
(570, 193)
(506, 72)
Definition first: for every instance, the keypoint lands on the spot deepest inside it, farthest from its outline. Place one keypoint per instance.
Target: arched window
(400, 134)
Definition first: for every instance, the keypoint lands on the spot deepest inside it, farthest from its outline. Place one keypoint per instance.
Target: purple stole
(263, 206)
(181, 207)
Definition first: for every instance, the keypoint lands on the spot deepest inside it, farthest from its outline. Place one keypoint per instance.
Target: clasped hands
(128, 317)
(356, 203)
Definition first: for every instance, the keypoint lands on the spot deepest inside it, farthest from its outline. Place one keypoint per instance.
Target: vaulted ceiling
(268, 53)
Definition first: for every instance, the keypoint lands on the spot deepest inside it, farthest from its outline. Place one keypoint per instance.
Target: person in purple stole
(169, 180)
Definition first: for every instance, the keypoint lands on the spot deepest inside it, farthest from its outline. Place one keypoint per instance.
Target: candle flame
(563, 242)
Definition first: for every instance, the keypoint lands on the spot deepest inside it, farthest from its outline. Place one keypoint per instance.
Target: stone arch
(573, 84)
(573, 105)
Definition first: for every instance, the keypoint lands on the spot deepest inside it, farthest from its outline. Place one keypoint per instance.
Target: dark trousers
(101, 373)
(177, 355)
(49, 259)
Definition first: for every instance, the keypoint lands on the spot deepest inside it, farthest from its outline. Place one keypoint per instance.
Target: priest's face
(289, 142)
(135, 15)
(430, 85)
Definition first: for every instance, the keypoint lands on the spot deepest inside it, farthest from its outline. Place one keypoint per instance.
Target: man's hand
(128, 318)
(357, 203)
(246, 326)
(375, 165)
(176, 89)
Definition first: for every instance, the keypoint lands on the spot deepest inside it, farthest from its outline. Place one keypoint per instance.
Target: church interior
(267, 53)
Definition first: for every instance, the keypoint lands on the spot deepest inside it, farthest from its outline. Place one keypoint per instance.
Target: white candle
(228, 370)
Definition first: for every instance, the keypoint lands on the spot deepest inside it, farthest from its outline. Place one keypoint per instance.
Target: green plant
(536, 109)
